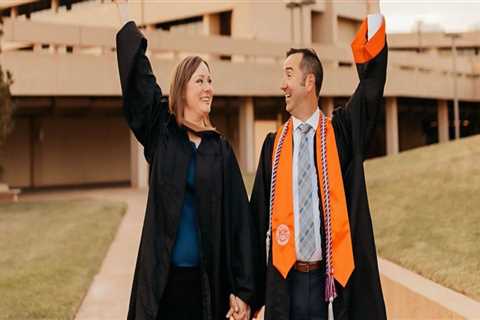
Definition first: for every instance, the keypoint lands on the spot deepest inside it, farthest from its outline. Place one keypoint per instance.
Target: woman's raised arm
(144, 106)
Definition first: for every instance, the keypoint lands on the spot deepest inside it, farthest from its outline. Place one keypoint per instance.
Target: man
(310, 199)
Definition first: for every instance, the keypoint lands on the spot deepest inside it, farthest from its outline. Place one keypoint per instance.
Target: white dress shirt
(313, 122)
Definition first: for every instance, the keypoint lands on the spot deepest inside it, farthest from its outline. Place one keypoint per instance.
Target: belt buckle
(303, 266)
(307, 267)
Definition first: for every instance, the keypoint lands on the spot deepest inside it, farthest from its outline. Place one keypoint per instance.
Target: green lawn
(425, 207)
(49, 254)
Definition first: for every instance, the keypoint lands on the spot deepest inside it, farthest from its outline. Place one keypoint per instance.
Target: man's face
(293, 84)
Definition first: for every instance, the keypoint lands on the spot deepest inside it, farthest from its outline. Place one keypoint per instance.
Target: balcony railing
(434, 73)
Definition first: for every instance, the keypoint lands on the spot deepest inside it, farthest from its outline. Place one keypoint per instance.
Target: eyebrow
(288, 69)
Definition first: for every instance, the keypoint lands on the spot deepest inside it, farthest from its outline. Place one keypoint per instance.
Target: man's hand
(374, 22)
(261, 314)
(239, 310)
(244, 308)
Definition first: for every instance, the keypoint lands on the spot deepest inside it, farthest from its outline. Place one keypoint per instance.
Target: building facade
(69, 128)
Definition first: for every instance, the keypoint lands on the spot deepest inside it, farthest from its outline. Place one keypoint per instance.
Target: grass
(49, 254)
(426, 209)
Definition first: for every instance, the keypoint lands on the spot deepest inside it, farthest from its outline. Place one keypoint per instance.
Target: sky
(439, 15)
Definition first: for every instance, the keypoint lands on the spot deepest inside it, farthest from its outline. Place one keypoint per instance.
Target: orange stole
(283, 232)
(365, 50)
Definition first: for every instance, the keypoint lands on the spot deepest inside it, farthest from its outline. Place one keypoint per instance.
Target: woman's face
(199, 91)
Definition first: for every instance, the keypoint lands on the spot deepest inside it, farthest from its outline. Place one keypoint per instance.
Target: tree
(6, 105)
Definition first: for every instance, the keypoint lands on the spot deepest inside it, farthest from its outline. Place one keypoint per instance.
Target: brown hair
(183, 73)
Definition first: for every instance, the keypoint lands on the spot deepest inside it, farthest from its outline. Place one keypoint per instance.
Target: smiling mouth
(206, 100)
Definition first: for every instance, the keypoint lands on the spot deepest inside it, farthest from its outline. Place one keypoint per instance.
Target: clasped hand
(239, 310)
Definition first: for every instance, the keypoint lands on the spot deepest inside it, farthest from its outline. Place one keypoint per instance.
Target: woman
(194, 260)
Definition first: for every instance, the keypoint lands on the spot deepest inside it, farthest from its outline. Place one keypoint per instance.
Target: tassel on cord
(330, 294)
(330, 310)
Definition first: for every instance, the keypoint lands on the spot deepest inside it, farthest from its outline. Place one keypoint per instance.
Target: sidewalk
(109, 293)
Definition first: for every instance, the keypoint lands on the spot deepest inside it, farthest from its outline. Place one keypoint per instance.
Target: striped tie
(304, 189)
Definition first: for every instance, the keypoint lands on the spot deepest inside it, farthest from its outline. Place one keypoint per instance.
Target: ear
(310, 82)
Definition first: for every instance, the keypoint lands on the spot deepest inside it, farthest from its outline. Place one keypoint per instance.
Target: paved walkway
(109, 293)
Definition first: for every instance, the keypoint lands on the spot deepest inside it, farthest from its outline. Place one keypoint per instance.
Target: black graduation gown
(353, 124)
(225, 225)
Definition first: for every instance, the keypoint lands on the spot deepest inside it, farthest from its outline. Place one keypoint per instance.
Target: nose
(283, 85)
(208, 87)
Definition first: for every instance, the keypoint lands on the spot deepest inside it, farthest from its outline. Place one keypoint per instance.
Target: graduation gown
(224, 220)
(353, 124)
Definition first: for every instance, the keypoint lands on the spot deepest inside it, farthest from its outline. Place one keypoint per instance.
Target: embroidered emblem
(283, 234)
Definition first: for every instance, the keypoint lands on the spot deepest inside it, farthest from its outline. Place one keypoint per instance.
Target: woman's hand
(122, 6)
(239, 310)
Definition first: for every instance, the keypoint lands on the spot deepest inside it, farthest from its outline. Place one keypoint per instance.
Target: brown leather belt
(304, 266)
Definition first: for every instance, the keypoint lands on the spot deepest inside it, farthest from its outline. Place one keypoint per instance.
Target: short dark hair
(310, 63)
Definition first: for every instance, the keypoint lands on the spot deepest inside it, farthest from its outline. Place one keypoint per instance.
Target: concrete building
(69, 126)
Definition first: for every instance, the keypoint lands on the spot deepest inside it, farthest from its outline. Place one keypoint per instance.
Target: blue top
(186, 249)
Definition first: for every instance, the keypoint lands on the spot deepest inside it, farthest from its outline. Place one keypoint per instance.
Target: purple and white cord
(330, 291)
(273, 183)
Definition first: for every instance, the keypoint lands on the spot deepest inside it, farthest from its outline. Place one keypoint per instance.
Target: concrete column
(138, 165)
(150, 27)
(247, 135)
(325, 25)
(326, 103)
(442, 112)
(305, 17)
(55, 4)
(53, 48)
(243, 24)
(13, 12)
(211, 24)
(433, 52)
(62, 49)
(373, 6)
(391, 125)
